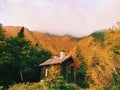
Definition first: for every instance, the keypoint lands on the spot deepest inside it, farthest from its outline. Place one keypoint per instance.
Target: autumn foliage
(98, 52)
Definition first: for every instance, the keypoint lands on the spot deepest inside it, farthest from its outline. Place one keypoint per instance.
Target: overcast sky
(74, 17)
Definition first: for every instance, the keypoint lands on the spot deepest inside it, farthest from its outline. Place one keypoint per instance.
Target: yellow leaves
(101, 60)
(53, 73)
(100, 68)
(112, 37)
(28, 86)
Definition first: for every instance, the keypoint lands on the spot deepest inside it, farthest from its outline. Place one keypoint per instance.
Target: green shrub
(29, 86)
(83, 84)
(1, 87)
(42, 86)
(115, 88)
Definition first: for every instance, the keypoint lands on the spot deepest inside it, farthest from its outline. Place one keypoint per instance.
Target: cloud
(76, 17)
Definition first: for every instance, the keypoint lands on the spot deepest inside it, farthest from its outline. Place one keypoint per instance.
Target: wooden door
(72, 74)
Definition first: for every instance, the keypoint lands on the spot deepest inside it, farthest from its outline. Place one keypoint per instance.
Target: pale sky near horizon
(74, 17)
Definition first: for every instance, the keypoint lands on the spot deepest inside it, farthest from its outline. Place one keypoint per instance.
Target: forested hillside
(98, 55)
(99, 58)
(50, 42)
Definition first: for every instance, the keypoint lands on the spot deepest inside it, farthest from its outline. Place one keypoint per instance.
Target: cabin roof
(56, 60)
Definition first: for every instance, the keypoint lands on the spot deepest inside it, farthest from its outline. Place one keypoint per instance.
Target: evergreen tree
(19, 61)
(81, 72)
(21, 33)
(1, 32)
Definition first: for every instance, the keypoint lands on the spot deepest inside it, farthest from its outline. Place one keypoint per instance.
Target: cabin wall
(42, 72)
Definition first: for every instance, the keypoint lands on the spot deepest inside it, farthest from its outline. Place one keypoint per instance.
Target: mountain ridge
(49, 42)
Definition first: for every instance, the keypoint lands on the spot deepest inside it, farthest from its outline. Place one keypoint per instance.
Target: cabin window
(46, 72)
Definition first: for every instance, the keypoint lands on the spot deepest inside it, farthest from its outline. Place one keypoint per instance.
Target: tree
(1, 33)
(22, 59)
(54, 81)
(81, 72)
(112, 41)
(21, 33)
(116, 77)
(19, 60)
(35, 57)
(81, 77)
(19, 49)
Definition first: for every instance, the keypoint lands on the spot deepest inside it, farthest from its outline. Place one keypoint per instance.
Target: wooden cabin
(65, 64)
